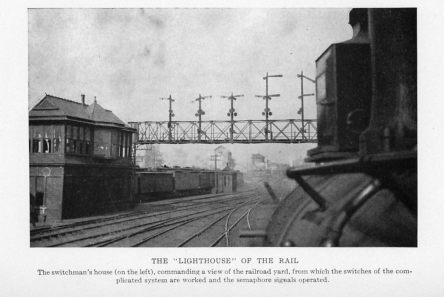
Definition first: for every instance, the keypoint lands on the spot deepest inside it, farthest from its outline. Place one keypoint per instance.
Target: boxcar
(186, 180)
(205, 180)
(155, 182)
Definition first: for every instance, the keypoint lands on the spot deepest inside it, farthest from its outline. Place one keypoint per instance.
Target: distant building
(79, 158)
(226, 159)
(152, 157)
(258, 162)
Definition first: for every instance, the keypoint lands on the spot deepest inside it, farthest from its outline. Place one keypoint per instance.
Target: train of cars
(176, 182)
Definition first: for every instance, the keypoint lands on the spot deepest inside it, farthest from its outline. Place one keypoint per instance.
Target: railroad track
(139, 228)
(210, 231)
(227, 227)
(47, 233)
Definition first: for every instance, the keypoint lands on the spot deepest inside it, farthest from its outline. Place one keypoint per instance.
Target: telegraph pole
(267, 111)
(170, 116)
(215, 157)
(301, 110)
(232, 113)
(199, 114)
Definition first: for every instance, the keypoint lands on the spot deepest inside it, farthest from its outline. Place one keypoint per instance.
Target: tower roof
(52, 107)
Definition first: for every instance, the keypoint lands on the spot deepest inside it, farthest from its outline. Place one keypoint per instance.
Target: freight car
(177, 182)
(362, 187)
(154, 183)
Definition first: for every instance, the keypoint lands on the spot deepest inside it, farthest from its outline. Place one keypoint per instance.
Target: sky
(129, 58)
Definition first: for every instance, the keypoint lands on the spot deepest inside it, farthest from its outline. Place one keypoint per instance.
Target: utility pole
(232, 113)
(267, 111)
(199, 114)
(301, 110)
(170, 116)
(46, 172)
(215, 157)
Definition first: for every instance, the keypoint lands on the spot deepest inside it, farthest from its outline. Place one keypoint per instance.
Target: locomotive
(361, 189)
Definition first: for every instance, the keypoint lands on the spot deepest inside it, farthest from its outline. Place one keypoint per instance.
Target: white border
(19, 262)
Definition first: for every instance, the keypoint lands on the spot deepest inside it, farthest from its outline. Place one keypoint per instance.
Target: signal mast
(301, 110)
(170, 117)
(232, 113)
(267, 112)
(199, 114)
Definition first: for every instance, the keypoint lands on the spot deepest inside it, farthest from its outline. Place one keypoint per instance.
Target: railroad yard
(98, 181)
(213, 220)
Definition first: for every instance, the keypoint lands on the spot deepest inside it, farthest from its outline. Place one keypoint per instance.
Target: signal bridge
(242, 131)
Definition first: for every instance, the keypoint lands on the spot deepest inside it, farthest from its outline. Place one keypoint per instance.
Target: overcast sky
(129, 58)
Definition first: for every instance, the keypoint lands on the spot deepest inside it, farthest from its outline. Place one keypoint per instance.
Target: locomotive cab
(343, 93)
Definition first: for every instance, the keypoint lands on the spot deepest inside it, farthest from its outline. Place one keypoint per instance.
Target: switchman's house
(79, 158)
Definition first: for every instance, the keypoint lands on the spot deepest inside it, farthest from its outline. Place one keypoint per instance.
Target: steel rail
(176, 226)
(154, 225)
(109, 222)
(227, 241)
(228, 219)
(166, 223)
(151, 224)
(196, 234)
(218, 239)
(134, 215)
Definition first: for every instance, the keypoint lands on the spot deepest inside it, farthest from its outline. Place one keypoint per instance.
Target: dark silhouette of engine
(362, 187)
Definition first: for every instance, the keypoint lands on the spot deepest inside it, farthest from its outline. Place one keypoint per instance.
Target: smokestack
(83, 99)
(358, 19)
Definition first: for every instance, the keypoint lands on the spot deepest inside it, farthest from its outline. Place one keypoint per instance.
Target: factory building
(79, 159)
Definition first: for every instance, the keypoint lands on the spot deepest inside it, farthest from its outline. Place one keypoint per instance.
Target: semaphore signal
(232, 112)
(267, 112)
(170, 116)
(199, 113)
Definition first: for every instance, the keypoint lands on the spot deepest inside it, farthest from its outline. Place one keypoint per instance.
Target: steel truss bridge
(242, 131)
